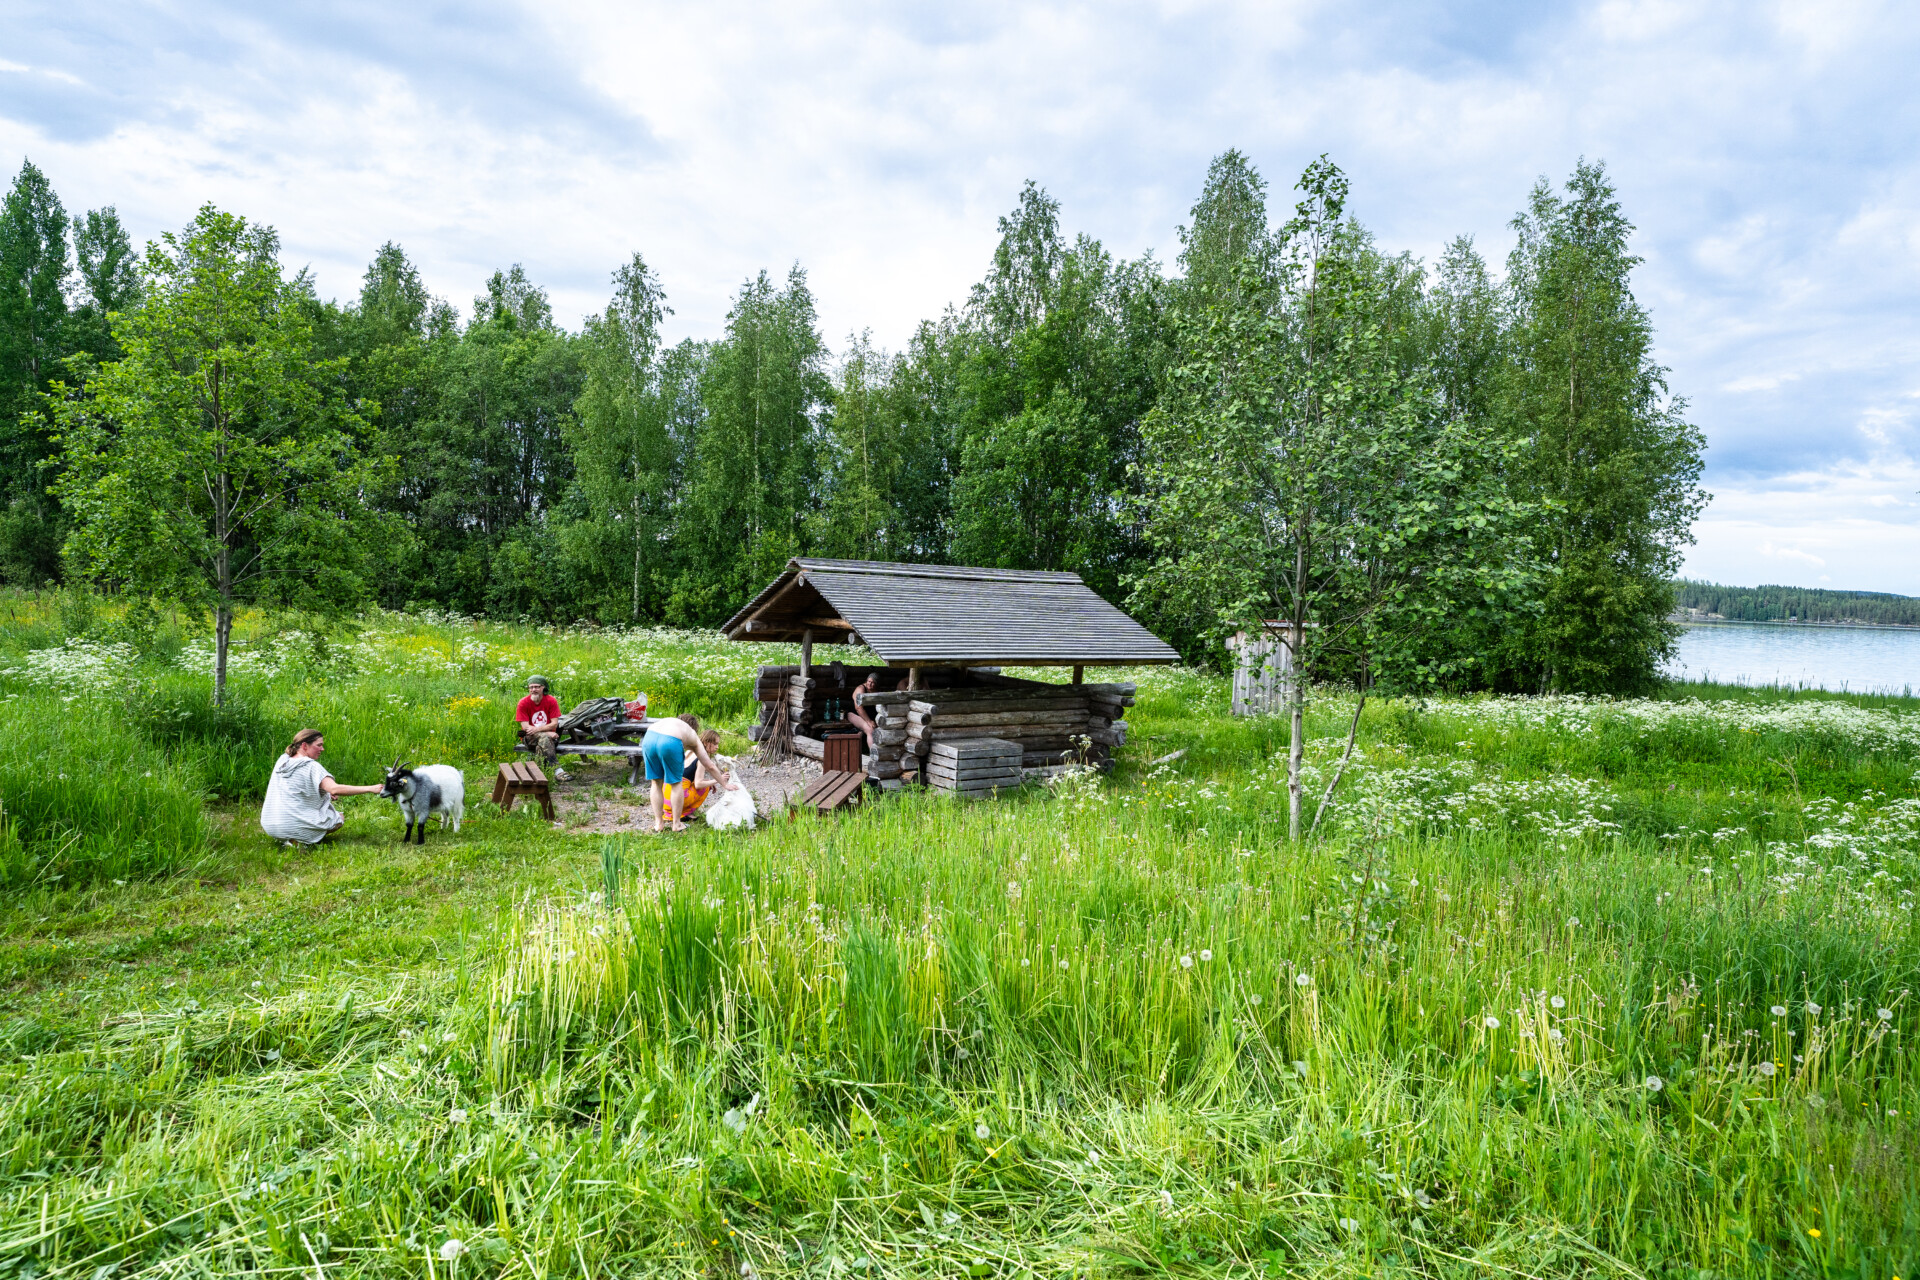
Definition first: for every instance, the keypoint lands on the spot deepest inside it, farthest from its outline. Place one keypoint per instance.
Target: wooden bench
(831, 790)
(516, 780)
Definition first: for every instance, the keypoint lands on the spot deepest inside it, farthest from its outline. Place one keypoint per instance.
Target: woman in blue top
(664, 750)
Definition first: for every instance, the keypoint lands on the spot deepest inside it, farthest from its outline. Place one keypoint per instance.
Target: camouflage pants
(545, 744)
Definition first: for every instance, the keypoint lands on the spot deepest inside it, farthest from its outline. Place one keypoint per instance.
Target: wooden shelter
(943, 632)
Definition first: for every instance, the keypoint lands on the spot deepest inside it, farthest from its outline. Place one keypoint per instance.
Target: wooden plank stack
(974, 767)
(1050, 723)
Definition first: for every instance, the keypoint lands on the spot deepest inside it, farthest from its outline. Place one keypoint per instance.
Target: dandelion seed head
(1813, 1008)
(457, 1116)
(1573, 922)
(451, 1249)
(1063, 966)
(1655, 1084)
(1186, 962)
(1256, 1002)
(1886, 1015)
(981, 1131)
(1555, 1034)
(1558, 1002)
(1493, 1023)
(1205, 955)
(1303, 979)
(1767, 1068)
(1779, 1011)
(1166, 1198)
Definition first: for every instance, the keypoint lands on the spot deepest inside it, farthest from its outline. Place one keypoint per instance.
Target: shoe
(562, 774)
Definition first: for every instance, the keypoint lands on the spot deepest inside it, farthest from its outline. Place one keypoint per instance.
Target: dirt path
(597, 799)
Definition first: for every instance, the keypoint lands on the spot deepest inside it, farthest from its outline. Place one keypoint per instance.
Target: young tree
(209, 464)
(1297, 472)
(1608, 455)
(109, 272)
(35, 338)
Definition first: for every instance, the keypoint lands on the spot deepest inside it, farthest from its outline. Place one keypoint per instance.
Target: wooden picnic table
(631, 750)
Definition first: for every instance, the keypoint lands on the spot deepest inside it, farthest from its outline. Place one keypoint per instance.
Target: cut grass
(1063, 1034)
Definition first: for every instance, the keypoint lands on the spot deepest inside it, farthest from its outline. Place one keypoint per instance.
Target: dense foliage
(1565, 986)
(1797, 604)
(504, 465)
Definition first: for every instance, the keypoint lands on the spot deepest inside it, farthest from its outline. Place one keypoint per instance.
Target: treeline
(388, 449)
(1797, 604)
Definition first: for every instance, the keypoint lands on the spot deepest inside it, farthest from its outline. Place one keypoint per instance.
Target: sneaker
(562, 774)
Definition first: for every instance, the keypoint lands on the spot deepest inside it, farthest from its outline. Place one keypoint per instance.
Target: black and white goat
(423, 792)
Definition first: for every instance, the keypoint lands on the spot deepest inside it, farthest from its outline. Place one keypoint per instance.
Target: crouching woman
(300, 793)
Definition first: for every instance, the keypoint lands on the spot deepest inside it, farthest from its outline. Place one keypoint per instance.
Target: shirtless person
(858, 715)
(664, 751)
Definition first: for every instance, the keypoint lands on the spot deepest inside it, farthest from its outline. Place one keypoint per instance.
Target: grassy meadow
(1562, 987)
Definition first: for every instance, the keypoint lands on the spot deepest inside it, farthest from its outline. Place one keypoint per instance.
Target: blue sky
(1766, 152)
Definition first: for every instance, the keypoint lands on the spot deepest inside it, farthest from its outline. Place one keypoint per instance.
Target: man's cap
(542, 681)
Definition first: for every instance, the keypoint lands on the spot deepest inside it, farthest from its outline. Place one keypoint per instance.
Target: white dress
(296, 808)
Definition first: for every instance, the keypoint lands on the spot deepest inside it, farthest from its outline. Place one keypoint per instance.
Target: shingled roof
(935, 615)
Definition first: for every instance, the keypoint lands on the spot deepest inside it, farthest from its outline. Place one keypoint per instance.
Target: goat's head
(399, 780)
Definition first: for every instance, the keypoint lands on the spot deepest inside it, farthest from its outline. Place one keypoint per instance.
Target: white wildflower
(1302, 979)
(1886, 1015)
(457, 1116)
(1767, 1068)
(1492, 1023)
(1779, 1011)
(1813, 1008)
(1186, 962)
(1166, 1200)
(1205, 955)
(451, 1249)
(1558, 1002)
(1655, 1084)
(1063, 966)
(1573, 922)
(1555, 1034)
(981, 1131)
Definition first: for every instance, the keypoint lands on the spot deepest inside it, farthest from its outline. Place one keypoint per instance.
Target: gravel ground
(597, 798)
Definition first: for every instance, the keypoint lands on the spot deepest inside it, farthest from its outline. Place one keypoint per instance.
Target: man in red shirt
(538, 713)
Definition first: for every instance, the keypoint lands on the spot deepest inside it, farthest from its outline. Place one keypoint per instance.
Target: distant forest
(1797, 604)
(1219, 438)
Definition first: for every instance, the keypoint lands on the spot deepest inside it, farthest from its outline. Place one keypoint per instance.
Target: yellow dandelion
(1814, 1232)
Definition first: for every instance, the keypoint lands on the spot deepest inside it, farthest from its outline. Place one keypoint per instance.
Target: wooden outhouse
(943, 633)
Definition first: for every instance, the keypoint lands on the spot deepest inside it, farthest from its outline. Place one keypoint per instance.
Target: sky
(1765, 152)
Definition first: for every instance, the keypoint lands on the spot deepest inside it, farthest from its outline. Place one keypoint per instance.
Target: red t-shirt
(538, 716)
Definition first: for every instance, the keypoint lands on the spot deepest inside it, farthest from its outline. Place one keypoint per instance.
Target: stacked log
(1050, 723)
(974, 767)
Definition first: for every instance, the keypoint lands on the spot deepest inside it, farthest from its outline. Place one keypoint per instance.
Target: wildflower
(1814, 1232)
(1555, 1034)
(1886, 1015)
(1093, 1155)
(1767, 1068)
(1166, 1200)
(1025, 962)
(961, 1054)
(1493, 1023)
(1813, 1008)
(1206, 955)
(1256, 1002)
(1558, 1002)
(1186, 962)
(451, 1249)
(1063, 966)
(981, 1131)
(1573, 922)
(457, 1116)
(596, 898)
(747, 1272)
(448, 1037)
(1779, 1011)
(1655, 1084)
(1303, 979)
(406, 1033)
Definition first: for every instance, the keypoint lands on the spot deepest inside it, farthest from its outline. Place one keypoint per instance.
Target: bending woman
(664, 750)
(300, 793)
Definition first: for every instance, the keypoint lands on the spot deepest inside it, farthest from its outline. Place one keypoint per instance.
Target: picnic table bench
(596, 749)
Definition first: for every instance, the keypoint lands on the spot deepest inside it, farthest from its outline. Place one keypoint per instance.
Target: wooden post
(806, 652)
(1078, 671)
(913, 678)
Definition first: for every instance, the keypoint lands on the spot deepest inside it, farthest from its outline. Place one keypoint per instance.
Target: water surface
(1849, 659)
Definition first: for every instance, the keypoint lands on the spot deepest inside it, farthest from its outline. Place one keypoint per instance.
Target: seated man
(537, 715)
(859, 716)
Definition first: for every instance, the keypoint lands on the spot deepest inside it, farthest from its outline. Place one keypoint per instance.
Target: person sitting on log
(859, 716)
(696, 783)
(664, 752)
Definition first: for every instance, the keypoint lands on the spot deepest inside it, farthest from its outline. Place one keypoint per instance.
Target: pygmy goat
(423, 792)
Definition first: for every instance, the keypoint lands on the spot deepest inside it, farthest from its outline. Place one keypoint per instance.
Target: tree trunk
(1297, 748)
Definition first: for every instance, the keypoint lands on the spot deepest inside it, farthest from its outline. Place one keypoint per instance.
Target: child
(696, 784)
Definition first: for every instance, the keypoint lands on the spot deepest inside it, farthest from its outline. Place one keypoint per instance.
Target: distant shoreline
(1787, 622)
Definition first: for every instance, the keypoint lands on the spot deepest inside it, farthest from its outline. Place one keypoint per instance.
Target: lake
(1856, 659)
